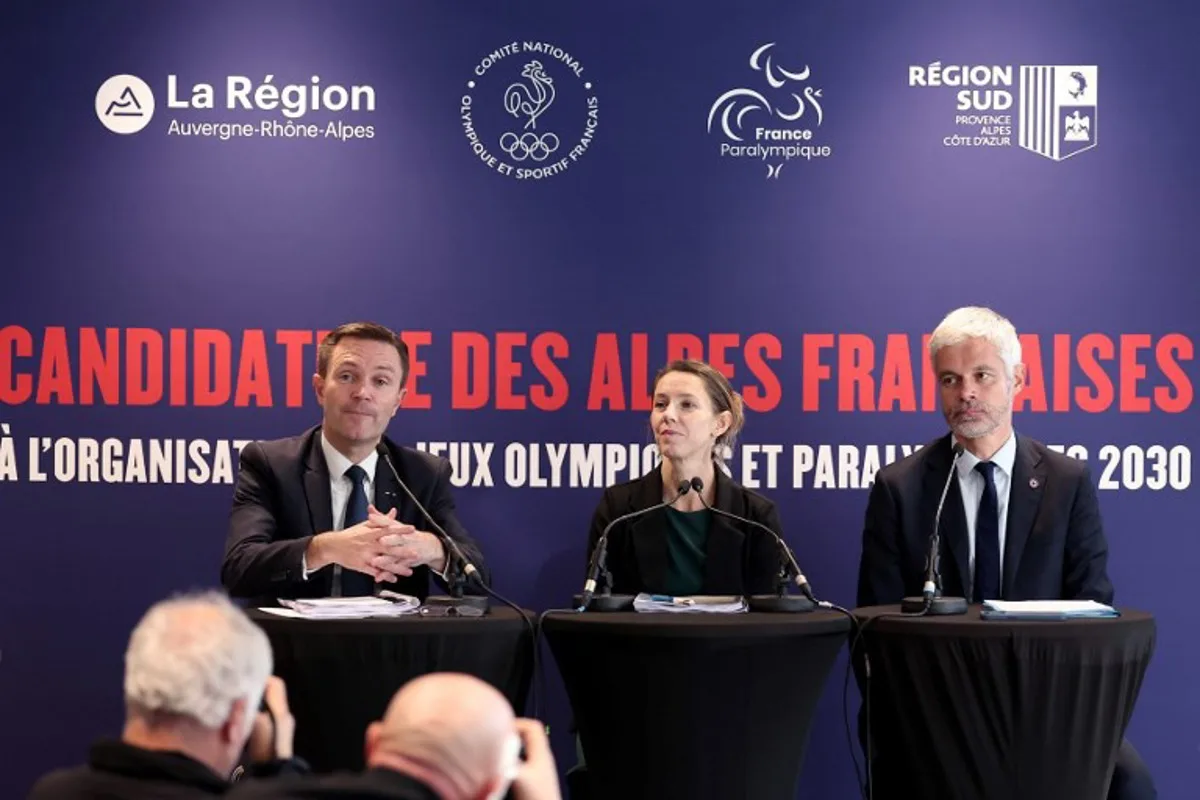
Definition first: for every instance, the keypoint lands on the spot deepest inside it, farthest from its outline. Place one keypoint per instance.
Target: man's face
(361, 391)
(975, 387)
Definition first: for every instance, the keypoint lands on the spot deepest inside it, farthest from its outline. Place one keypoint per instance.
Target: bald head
(453, 725)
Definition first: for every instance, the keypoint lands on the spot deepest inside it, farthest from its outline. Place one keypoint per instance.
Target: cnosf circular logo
(506, 108)
(124, 103)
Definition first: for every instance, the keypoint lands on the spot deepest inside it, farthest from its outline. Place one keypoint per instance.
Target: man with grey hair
(445, 736)
(196, 670)
(1002, 484)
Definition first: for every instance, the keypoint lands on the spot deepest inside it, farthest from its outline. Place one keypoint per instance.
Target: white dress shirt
(970, 486)
(340, 487)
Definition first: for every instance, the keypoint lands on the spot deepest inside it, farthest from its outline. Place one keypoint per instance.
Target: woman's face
(682, 419)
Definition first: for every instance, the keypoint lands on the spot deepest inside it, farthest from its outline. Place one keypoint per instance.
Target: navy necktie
(349, 583)
(987, 538)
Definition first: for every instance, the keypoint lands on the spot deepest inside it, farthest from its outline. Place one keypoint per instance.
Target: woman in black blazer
(686, 549)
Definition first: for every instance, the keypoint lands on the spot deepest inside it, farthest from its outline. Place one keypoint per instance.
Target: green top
(687, 539)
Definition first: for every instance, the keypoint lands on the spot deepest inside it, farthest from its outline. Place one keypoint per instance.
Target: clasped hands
(381, 547)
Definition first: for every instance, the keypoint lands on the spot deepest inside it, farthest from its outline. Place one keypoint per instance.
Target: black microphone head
(684, 487)
(697, 484)
(381, 448)
(956, 449)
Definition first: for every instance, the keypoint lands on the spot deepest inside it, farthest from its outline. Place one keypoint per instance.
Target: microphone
(931, 601)
(451, 547)
(607, 601)
(781, 601)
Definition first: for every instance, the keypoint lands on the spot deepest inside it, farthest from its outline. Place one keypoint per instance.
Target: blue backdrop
(548, 198)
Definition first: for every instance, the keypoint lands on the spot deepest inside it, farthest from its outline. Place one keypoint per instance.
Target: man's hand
(537, 778)
(355, 547)
(408, 547)
(273, 735)
(381, 547)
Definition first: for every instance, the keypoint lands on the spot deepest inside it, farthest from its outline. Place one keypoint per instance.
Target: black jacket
(739, 558)
(119, 770)
(373, 784)
(1054, 546)
(282, 499)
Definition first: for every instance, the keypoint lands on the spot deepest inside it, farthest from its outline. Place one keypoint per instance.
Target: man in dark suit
(445, 736)
(1020, 521)
(195, 670)
(321, 514)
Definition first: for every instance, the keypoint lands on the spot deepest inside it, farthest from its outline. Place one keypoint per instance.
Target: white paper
(388, 604)
(694, 604)
(282, 612)
(1050, 608)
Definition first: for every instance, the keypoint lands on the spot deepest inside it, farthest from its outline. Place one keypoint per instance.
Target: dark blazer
(282, 499)
(116, 769)
(1054, 542)
(739, 559)
(384, 784)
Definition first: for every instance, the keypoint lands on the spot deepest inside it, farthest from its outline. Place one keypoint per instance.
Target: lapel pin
(1033, 483)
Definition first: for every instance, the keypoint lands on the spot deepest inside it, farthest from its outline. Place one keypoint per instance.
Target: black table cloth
(695, 706)
(341, 674)
(974, 708)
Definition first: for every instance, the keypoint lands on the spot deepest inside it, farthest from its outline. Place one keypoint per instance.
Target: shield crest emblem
(1058, 110)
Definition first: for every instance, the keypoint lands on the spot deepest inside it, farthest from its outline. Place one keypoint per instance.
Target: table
(341, 674)
(967, 707)
(695, 705)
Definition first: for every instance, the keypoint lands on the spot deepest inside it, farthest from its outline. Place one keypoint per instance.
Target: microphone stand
(604, 600)
(781, 601)
(597, 589)
(931, 602)
(789, 571)
(458, 568)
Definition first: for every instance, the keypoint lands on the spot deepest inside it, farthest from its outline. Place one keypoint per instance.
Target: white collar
(338, 463)
(1004, 458)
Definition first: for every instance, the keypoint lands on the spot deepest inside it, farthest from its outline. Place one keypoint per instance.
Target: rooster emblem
(532, 99)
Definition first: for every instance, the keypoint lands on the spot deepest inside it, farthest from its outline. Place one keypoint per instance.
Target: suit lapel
(648, 533)
(316, 487)
(723, 552)
(1024, 498)
(953, 527)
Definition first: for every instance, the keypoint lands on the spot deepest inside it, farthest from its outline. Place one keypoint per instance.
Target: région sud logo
(1056, 106)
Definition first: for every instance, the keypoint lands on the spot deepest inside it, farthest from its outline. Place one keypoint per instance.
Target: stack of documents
(388, 604)
(693, 604)
(1046, 609)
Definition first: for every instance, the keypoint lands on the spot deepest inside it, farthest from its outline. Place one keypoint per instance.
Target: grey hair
(975, 322)
(194, 655)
